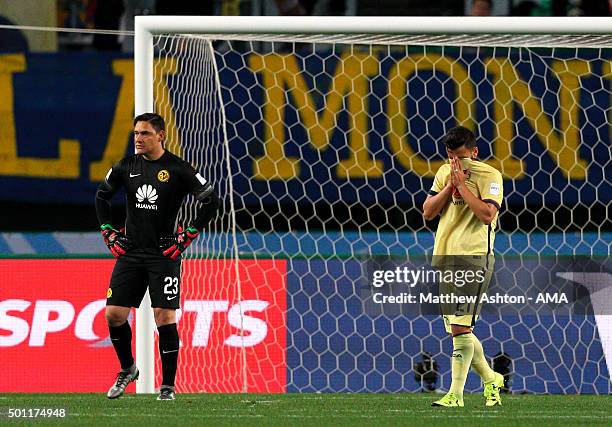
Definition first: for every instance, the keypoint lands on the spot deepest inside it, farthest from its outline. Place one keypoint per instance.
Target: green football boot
(492, 389)
(450, 400)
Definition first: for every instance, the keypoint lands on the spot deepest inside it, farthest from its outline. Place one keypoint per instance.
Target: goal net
(323, 149)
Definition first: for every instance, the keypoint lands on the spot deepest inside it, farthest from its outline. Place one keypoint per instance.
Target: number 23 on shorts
(171, 285)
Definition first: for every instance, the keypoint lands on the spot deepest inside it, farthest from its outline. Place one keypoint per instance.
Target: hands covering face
(457, 175)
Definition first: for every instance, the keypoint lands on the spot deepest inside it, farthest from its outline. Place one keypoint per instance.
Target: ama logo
(146, 193)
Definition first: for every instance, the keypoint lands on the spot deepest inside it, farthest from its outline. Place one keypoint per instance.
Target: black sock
(121, 337)
(168, 351)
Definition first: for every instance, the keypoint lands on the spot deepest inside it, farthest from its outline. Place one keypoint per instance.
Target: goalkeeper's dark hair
(155, 119)
(458, 137)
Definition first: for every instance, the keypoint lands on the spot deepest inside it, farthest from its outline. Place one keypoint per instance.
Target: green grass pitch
(309, 409)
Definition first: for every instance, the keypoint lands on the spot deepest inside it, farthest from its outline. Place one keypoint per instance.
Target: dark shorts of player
(465, 278)
(136, 271)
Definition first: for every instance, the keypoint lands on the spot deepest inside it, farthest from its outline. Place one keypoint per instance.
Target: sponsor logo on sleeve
(201, 179)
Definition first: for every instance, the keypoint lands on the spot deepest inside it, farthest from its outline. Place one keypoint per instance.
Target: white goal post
(418, 31)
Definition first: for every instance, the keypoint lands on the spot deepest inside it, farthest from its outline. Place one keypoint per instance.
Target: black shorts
(135, 271)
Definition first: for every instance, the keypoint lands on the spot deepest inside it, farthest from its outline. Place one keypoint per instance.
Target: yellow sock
(463, 351)
(479, 362)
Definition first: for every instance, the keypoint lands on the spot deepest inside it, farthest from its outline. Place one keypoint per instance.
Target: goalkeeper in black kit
(148, 248)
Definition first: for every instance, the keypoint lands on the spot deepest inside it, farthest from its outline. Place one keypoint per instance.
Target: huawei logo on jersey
(146, 193)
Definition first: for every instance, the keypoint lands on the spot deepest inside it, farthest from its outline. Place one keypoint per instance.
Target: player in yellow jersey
(467, 195)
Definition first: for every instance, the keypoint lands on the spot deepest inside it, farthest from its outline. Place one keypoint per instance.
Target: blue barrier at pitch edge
(319, 244)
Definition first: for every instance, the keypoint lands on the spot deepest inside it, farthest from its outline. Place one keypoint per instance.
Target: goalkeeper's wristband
(191, 229)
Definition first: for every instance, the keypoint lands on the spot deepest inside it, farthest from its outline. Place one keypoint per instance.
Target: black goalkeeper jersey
(154, 191)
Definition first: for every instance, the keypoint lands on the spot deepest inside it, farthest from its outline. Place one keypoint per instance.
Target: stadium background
(66, 114)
